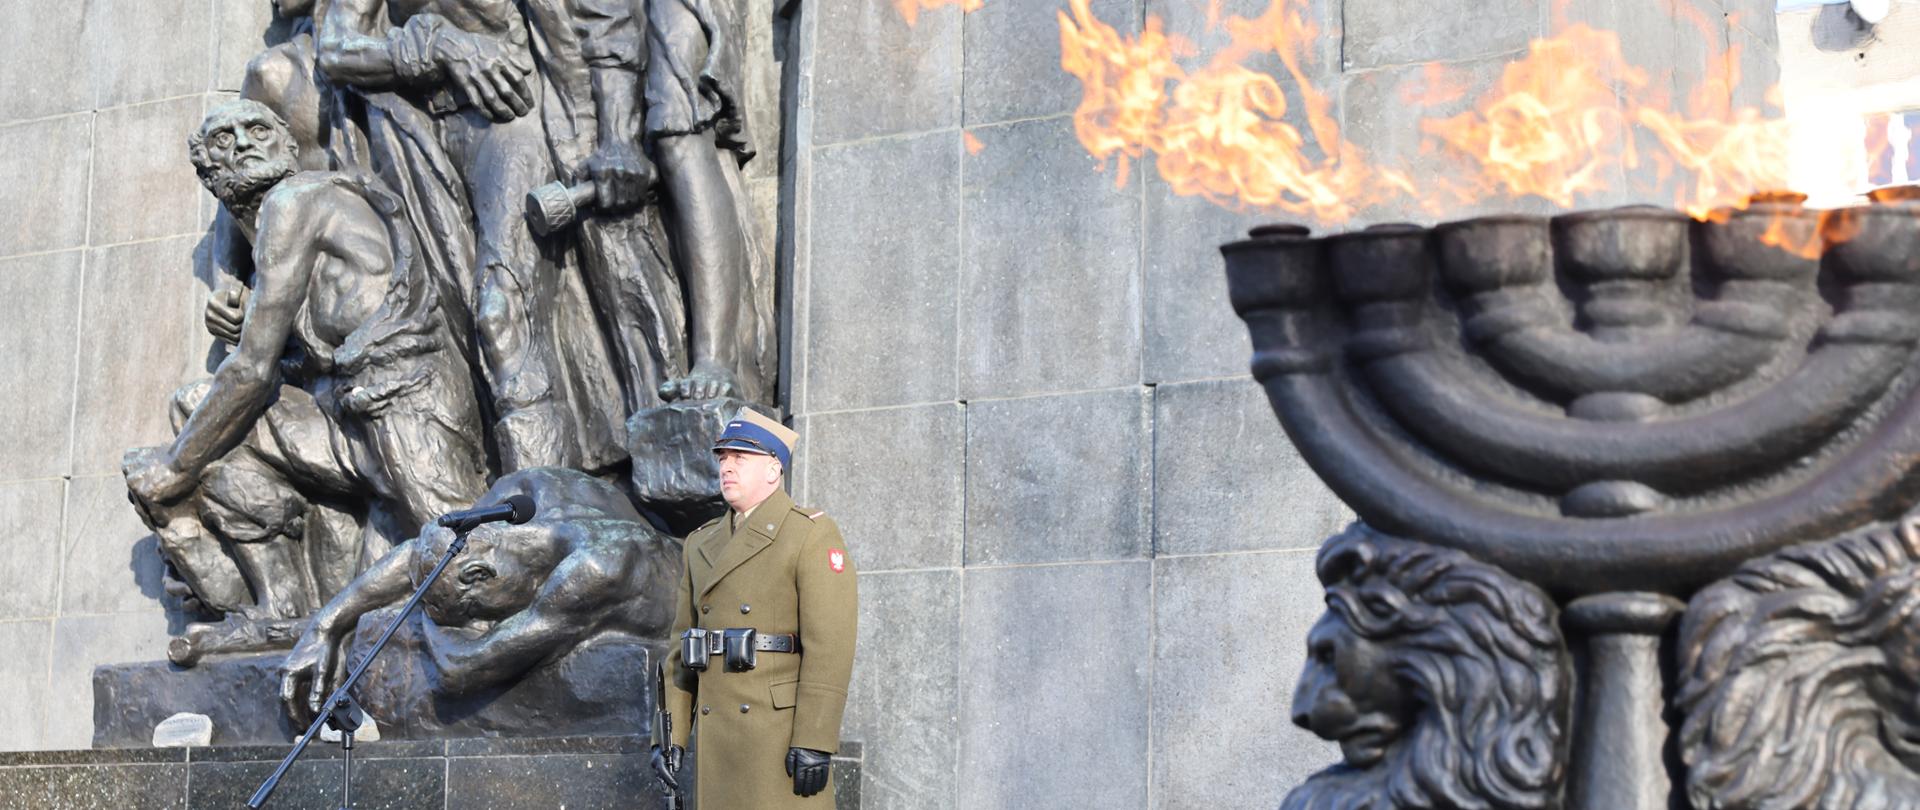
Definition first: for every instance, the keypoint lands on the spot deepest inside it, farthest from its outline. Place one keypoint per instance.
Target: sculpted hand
(151, 476)
(487, 73)
(666, 765)
(226, 312)
(313, 664)
(621, 174)
(808, 769)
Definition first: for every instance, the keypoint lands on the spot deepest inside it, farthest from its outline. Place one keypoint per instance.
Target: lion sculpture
(1445, 681)
(1800, 675)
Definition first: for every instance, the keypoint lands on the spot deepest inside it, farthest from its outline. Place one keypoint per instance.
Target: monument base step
(523, 773)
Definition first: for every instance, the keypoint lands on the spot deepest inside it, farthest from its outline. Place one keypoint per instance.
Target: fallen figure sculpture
(547, 625)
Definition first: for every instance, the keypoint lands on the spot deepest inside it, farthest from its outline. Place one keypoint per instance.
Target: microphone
(515, 509)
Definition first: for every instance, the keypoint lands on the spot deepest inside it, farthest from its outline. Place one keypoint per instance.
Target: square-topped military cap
(753, 432)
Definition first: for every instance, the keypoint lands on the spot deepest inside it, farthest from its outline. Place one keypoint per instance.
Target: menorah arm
(1665, 553)
(1676, 365)
(1479, 428)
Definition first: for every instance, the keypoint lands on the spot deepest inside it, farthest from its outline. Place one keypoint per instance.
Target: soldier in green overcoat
(763, 636)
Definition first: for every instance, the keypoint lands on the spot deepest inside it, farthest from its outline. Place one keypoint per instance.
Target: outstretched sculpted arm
(314, 661)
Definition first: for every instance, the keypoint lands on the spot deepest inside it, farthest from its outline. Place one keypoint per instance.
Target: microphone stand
(340, 707)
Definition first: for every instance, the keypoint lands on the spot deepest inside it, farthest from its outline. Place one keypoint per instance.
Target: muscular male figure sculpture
(379, 385)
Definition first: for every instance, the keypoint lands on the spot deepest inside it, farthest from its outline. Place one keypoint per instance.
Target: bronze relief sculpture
(403, 337)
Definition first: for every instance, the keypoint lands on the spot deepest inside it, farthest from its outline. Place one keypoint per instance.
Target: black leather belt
(763, 642)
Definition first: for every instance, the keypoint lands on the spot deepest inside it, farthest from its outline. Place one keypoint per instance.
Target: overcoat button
(743, 708)
(706, 710)
(769, 527)
(746, 608)
(705, 608)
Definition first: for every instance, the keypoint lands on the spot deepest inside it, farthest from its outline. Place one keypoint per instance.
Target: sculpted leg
(714, 262)
(516, 291)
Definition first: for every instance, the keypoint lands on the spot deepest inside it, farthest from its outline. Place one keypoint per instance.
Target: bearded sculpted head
(242, 149)
(1445, 681)
(1801, 679)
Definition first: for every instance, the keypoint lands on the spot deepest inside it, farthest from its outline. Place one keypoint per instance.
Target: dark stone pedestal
(600, 688)
(577, 773)
(242, 695)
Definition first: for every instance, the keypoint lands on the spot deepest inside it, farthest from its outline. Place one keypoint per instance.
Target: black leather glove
(808, 769)
(666, 765)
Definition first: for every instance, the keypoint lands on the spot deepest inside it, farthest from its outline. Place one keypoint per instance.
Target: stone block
(1383, 113)
(42, 78)
(1380, 33)
(378, 782)
(674, 473)
(122, 787)
(144, 50)
(81, 643)
(1058, 478)
(537, 783)
(1012, 64)
(874, 74)
(1050, 290)
(30, 571)
(1191, 331)
(904, 699)
(1759, 17)
(892, 479)
(136, 330)
(143, 183)
(1221, 728)
(43, 305)
(1205, 26)
(1758, 63)
(112, 563)
(884, 273)
(23, 670)
(240, 694)
(1225, 477)
(1054, 686)
(241, 29)
(43, 167)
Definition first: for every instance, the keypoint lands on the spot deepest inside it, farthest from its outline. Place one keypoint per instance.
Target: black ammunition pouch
(693, 649)
(739, 648)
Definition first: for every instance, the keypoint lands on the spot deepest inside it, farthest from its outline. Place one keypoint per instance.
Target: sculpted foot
(708, 380)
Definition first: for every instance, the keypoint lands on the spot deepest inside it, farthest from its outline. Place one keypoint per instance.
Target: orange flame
(1221, 131)
(910, 9)
(1553, 127)
(973, 143)
(1570, 118)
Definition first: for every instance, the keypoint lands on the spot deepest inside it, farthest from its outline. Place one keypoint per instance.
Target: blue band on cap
(753, 437)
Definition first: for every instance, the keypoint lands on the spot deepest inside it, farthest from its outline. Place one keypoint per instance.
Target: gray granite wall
(1086, 543)
(100, 219)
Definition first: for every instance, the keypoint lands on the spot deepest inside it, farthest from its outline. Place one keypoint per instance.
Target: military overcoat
(783, 569)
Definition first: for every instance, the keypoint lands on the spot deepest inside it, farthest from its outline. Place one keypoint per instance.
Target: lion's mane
(1777, 664)
(1483, 654)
